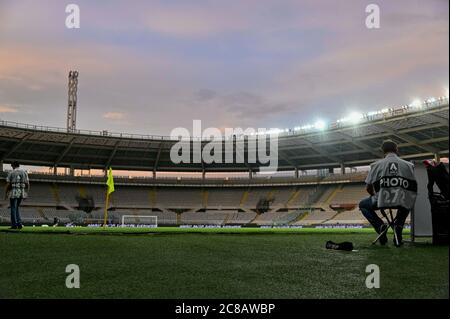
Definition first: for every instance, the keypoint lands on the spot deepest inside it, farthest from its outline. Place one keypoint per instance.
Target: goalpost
(139, 221)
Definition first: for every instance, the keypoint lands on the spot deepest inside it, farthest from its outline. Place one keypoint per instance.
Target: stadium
(317, 194)
(310, 195)
(322, 198)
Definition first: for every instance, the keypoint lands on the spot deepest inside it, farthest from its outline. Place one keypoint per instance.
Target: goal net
(139, 221)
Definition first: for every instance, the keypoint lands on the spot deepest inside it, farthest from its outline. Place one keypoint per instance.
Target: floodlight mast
(72, 101)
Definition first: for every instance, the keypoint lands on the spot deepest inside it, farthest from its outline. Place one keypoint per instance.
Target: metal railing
(383, 114)
(308, 179)
(44, 128)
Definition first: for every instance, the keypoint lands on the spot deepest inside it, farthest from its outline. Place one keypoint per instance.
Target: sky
(147, 67)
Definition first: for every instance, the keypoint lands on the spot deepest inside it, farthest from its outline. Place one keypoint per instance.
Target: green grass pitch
(214, 263)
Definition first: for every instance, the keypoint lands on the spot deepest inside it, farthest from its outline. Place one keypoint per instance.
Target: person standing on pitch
(391, 184)
(17, 188)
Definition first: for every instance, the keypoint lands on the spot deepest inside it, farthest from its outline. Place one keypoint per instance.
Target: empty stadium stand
(301, 204)
(316, 217)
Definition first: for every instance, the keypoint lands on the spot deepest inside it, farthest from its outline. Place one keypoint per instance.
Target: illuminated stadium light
(355, 117)
(272, 131)
(416, 103)
(320, 125)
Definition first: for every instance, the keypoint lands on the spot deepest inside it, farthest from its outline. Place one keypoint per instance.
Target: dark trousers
(368, 209)
(15, 215)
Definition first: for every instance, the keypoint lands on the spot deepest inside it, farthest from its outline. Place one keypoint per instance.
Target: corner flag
(110, 181)
(110, 184)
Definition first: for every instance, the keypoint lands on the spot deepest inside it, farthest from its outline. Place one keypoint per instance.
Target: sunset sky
(150, 66)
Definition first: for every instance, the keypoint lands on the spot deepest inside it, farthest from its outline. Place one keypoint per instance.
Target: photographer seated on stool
(390, 184)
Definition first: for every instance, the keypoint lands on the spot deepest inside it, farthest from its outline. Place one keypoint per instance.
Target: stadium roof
(421, 131)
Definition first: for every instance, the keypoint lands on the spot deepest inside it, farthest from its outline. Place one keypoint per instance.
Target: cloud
(194, 21)
(352, 69)
(241, 105)
(8, 109)
(250, 105)
(115, 116)
(205, 95)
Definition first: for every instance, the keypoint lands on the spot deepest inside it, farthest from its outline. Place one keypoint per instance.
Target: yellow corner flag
(110, 184)
(110, 181)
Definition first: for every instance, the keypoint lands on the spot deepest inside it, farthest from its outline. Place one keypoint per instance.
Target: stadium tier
(316, 217)
(70, 200)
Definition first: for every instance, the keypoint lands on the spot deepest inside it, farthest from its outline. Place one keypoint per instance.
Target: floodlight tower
(72, 105)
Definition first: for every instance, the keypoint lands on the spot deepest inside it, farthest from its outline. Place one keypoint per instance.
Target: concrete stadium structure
(421, 131)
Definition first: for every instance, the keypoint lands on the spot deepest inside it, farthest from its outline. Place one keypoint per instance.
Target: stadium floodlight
(385, 110)
(431, 100)
(320, 125)
(272, 131)
(355, 117)
(416, 103)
